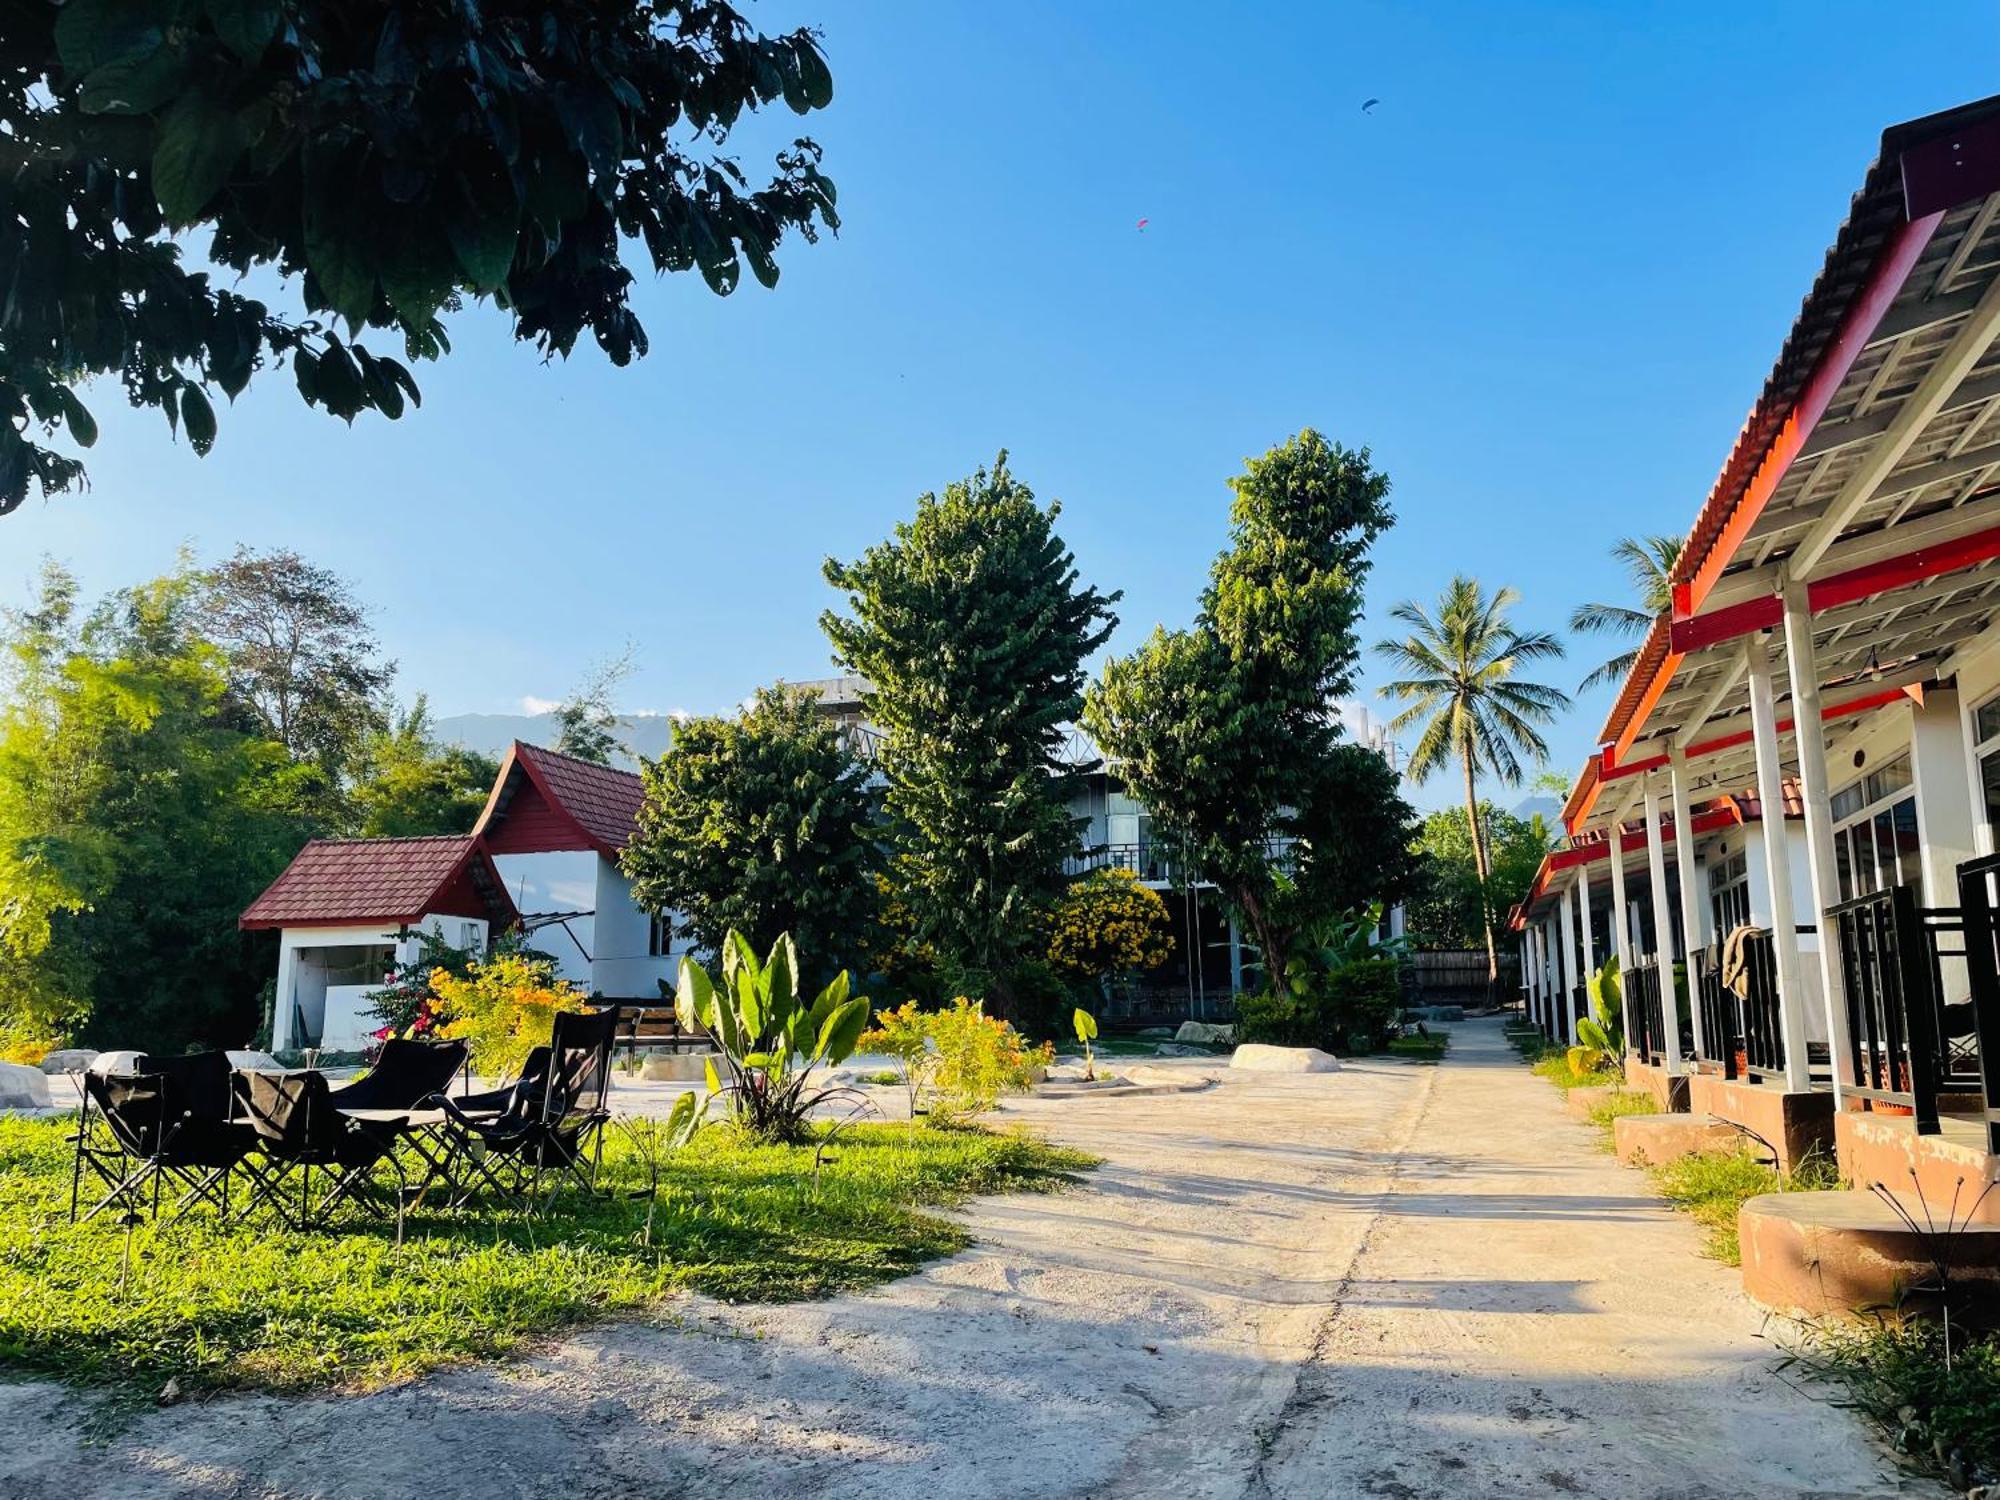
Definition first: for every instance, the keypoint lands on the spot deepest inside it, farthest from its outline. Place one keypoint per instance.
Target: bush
(502, 1009)
(955, 1062)
(1349, 1008)
(1935, 1390)
(1108, 927)
(1033, 997)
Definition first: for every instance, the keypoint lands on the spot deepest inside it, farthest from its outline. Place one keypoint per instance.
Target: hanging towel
(1736, 958)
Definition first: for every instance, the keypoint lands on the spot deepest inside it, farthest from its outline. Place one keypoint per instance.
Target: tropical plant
(1460, 667)
(764, 822)
(1222, 730)
(770, 1041)
(971, 629)
(1350, 1008)
(502, 1008)
(1602, 1032)
(1108, 927)
(1649, 563)
(384, 164)
(1085, 1025)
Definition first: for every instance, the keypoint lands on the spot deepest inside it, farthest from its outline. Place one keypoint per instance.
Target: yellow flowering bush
(1108, 926)
(959, 1060)
(502, 1009)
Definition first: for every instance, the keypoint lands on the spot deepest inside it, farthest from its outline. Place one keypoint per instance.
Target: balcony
(1158, 861)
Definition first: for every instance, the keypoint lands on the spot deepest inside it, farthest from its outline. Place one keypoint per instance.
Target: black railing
(1721, 1015)
(1891, 965)
(1763, 1028)
(1579, 1006)
(1645, 1020)
(1979, 908)
(1159, 860)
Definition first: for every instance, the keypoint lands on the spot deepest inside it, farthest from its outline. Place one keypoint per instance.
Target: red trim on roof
(598, 804)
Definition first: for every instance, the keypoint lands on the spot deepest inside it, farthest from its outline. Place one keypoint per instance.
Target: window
(1875, 832)
(468, 937)
(1986, 731)
(659, 937)
(1729, 893)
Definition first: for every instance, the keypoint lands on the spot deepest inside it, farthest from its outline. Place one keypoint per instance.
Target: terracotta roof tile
(360, 880)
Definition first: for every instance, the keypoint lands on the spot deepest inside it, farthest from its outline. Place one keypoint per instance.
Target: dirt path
(1393, 1280)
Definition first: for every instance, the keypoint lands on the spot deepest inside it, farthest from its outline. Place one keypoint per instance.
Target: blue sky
(1543, 281)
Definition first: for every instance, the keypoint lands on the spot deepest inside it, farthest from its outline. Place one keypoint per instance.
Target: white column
(1778, 862)
(1946, 813)
(1587, 941)
(1621, 911)
(1663, 930)
(1809, 733)
(1690, 891)
(1569, 974)
(282, 1039)
(1537, 979)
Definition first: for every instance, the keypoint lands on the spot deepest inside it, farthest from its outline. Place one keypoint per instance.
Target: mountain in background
(490, 734)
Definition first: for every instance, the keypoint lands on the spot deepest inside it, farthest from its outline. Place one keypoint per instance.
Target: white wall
(623, 970)
(563, 881)
(329, 1011)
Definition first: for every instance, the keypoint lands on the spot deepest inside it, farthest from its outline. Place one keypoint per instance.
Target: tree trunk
(1479, 866)
(1272, 951)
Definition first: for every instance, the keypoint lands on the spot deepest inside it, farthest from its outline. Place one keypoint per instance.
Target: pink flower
(384, 1034)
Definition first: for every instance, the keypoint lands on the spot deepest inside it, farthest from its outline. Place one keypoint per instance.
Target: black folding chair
(551, 1121)
(407, 1078)
(301, 1133)
(167, 1124)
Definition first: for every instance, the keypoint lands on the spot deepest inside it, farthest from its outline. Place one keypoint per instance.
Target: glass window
(659, 937)
(1986, 721)
(1989, 779)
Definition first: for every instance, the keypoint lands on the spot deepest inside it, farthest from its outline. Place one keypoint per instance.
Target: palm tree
(1649, 563)
(1459, 679)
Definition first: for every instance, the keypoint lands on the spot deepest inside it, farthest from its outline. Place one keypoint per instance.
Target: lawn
(214, 1305)
(1712, 1188)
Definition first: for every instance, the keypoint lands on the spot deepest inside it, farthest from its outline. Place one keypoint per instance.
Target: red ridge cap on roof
(603, 801)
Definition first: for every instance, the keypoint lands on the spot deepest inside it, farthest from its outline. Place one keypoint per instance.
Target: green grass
(219, 1306)
(1712, 1188)
(1613, 1107)
(1554, 1066)
(1427, 1049)
(1939, 1405)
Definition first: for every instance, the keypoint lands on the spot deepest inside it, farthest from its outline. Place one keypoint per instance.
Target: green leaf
(82, 426)
(484, 246)
(1086, 1025)
(709, 1076)
(199, 143)
(91, 34)
(245, 26)
(199, 419)
(134, 86)
(694, 995)
(340, 265)
(837, 1038)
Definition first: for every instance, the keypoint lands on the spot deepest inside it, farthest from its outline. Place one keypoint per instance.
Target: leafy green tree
(972, 630)
(387, 162)
(1460, 667)
(303, 666)
(586, 721)
(409, 785)
(1447, 910)
(136, 822)
(1223, 730)
(1649, 563)
(763, 823)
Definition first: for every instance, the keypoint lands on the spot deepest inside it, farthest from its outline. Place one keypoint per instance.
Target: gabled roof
(397, 882)
(602, 801)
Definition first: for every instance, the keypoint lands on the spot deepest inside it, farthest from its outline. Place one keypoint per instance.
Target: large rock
(69, 1060)
(111, 1064)
(676, 1067)
(1205, 1034)
(1260, 1057)
(24, 1088)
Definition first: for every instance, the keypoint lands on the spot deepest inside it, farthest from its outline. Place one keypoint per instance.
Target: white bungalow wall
(335, 1016)
(560, 882)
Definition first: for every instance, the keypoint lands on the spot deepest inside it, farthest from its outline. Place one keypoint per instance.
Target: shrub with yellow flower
(958, 1061)
(1108, 927)
(502, 1009)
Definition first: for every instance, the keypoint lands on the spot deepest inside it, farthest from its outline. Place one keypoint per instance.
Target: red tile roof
(604, 801)
(392, 881)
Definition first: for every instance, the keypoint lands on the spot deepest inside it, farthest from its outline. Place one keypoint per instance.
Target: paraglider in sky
(1368, 106)
(1143, 223)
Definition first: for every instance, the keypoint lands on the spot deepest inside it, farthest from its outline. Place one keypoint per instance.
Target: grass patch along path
(215, 1305)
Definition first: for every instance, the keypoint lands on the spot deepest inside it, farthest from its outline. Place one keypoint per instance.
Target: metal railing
(1763, 1028)
(1645, 1019)
(1721, 1015)
(1979, 910)
(1891, 953)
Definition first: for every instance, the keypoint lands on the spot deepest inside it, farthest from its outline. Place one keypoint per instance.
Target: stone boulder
(1259, 1057)
(69, 1060)
(675, 1067)
(1205, 1034)
(23, 1088)
(125, 1060)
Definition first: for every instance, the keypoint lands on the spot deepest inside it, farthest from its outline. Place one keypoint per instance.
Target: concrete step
(1813, 1254)
(1642, 1140)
